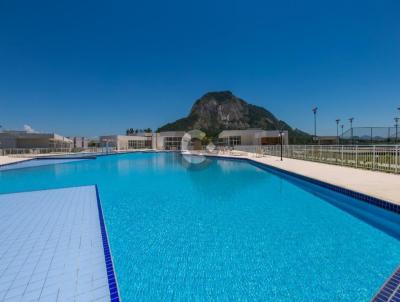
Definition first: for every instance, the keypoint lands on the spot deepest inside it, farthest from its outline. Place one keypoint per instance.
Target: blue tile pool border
(112, 280)
(390, 291)
(387, 205)
(65, 157)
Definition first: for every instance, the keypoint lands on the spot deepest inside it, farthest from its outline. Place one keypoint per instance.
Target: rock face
(217, 111)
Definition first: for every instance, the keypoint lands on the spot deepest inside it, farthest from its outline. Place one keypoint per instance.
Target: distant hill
(217, 111)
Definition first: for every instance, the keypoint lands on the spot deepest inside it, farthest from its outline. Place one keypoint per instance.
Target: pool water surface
(227, 230)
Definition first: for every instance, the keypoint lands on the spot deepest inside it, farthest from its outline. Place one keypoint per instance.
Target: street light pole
(396, 119)
(337, 130)
(281, 134)
(314, 110)
(351, 128)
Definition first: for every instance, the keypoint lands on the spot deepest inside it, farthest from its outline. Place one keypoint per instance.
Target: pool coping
(64, 157)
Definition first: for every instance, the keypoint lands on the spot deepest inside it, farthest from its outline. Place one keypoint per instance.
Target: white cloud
(29, 129)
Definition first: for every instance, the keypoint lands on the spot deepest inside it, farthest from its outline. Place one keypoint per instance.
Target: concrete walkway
(377, 184)
(5, 160)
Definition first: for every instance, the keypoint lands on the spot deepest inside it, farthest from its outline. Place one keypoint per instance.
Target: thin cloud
(29, 129)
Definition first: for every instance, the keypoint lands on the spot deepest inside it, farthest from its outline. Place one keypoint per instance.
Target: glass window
(235, 140)
(136, 144)
(172, 143)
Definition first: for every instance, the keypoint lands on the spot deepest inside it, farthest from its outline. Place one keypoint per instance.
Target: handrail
(385, 158)
(35, 152)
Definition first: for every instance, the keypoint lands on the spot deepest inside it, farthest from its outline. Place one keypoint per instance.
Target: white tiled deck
(51, 246)
(6, 160)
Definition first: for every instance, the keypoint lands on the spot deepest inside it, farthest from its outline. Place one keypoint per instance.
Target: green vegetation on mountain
(218, 111)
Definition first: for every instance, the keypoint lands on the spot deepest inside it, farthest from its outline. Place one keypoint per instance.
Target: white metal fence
(33, 152)
(378, 157)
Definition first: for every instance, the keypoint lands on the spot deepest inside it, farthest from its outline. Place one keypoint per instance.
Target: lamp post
(314, 110)
(396, 119)
(337, 131)
(281, 134)
(351, 128)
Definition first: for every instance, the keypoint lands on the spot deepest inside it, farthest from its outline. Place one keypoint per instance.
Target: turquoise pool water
(227, 230)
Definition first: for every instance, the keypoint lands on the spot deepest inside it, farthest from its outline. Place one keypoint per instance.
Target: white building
(125, 142)
(252, 137)
(28, 140)
(169, 140)
(79, 142)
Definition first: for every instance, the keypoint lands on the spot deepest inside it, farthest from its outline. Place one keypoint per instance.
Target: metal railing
(375, 157)
(35, 152)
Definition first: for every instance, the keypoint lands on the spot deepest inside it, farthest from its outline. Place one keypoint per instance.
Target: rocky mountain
(217, 111)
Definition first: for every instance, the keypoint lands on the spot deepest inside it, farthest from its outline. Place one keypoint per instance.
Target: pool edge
(390, 290)
(384, 204)
(112, 278)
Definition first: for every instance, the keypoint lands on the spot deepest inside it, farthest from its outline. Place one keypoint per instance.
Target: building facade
(169, 140)
(252, 137)
(28, 140)
(79, 142)
(125, 142)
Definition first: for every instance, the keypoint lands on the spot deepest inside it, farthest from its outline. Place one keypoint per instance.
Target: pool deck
(7, 160)
(53, 247)
(381, 185)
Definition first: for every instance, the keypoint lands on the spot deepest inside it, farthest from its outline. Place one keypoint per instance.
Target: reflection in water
(195, 162)
(215, 176)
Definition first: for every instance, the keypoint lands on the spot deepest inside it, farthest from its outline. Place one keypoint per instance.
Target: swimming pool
(227, 230)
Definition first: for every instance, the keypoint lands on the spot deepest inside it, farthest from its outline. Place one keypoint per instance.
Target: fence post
(320, 153)
(342, 156)
(356, 156)
(396, 149)
(373, 159)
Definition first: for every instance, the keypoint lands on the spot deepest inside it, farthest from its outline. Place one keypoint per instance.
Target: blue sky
(97, 67)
